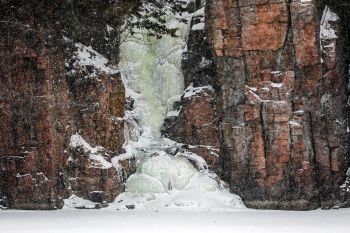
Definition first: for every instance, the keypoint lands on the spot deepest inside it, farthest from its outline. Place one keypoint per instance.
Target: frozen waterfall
(165, 177)
(152, 69)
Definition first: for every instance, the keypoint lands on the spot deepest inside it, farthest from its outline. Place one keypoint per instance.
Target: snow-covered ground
(240, 221)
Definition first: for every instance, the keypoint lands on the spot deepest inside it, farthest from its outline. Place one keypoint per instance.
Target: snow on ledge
(198, 26)
(200, 163)
(174, 113)
(191, 91)
(294, 123)
(86, 57)
(122, 157)
(77, 141)
(327, 32)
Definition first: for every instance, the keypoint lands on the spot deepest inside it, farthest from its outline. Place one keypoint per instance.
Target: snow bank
(141, 221)
(79, 203)
(179, 201)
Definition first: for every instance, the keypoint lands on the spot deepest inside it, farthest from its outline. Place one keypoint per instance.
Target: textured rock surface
(31, 154)
(92, 175)
(280, 100)
(265, 92)
(345, 191)
(42, 103)
(290, 107)
(197, 126)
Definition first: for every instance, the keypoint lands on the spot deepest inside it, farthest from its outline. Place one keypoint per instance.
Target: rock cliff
(50, 92)
(266, 101)
(279, 104)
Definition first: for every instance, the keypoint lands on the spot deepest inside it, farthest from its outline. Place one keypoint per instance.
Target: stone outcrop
(280, 99)
(91, 173)
(290, 108)
(266, 103)
(196, 125)
(45, 98)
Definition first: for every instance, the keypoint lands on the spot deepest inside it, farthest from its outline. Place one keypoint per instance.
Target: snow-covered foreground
(245, 221)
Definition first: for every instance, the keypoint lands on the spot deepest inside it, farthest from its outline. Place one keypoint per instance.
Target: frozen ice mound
(142, 183)
(171, 172)
(163, 173)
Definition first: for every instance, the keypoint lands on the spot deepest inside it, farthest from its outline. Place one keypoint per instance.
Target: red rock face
(197, 126)
(94, 181)
(264, 27)
(41, 108)
(30, 158)
(281, 110)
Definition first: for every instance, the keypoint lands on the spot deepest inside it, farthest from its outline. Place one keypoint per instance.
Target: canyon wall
(279, 103)
(266, 103)
(48, 95)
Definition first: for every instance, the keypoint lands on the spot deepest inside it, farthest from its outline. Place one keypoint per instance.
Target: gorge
(250, 99)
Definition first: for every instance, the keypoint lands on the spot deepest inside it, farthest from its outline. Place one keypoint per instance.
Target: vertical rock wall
(31, 154)
(44, 101)
(287, 99)
(280, 99)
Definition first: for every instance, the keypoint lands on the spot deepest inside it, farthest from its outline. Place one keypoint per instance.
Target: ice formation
(151, 69)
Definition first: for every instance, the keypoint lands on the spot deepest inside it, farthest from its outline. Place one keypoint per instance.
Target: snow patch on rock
(198, 26)
(192, 91)
(327, 32)
(85, 58)
(78, 142)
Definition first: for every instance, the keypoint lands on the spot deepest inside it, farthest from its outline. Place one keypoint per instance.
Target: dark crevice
(315, 163)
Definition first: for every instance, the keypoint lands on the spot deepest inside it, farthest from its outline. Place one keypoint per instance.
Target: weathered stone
(283, 143)
(42, 106)
(264, 27)
(304, 26)
(90, 179)
(196, 125)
